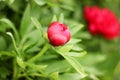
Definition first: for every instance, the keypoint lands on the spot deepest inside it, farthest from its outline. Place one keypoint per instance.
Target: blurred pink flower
(102, 22)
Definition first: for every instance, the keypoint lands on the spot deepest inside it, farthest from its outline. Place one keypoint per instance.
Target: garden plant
(59, 40)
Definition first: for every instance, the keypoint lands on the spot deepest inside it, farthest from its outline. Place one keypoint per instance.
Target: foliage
(25, 51)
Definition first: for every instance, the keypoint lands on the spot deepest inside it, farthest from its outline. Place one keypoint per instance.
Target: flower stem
(14, 43)
(44, 49)
(14, 77)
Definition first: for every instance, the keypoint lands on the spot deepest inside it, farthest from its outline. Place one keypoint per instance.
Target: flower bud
(58, 34)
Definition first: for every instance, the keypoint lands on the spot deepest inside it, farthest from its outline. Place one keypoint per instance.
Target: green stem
(44, 49)
(14, 77)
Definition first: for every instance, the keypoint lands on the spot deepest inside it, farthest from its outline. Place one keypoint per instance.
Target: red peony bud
(102, 22)
(58, 34)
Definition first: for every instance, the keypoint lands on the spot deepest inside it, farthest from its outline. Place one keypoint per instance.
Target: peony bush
(59, 40)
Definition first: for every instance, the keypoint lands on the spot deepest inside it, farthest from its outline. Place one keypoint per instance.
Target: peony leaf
(55, 75)
(70, 76)
(64, 49)
(54, 18)
(11, 1)
(37, 25)
(75, 64)
(36, 66)
(26, 25)
(61, 18)
(10, 25)
(40, 2)
(14, 43)
(76, 28)
(75, 54)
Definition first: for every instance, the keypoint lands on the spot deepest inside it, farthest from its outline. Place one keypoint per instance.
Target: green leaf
(75, 64)
(70, 76)
(10, 54)
(34, 48)
(40, 2)
(85, 35)
(61, 18)
(54, 18)
(11, 1)
(76, 28)
(77, 48)
(74, 41)
(75, 54)
(117, 69)
(72, 61)
(3, 43)
(3, 28)
(43, 50)
(37, 25)
(26, 25)
(53, 67)
(93, 58)
(63, 49)
(48, 57)
(8, 1)
(33, 41)
(36, 67)
(4, 72)
(67, 7)
(14, 43)
(54, 76)
(10, 25)
(20, 62)
(29, 45)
